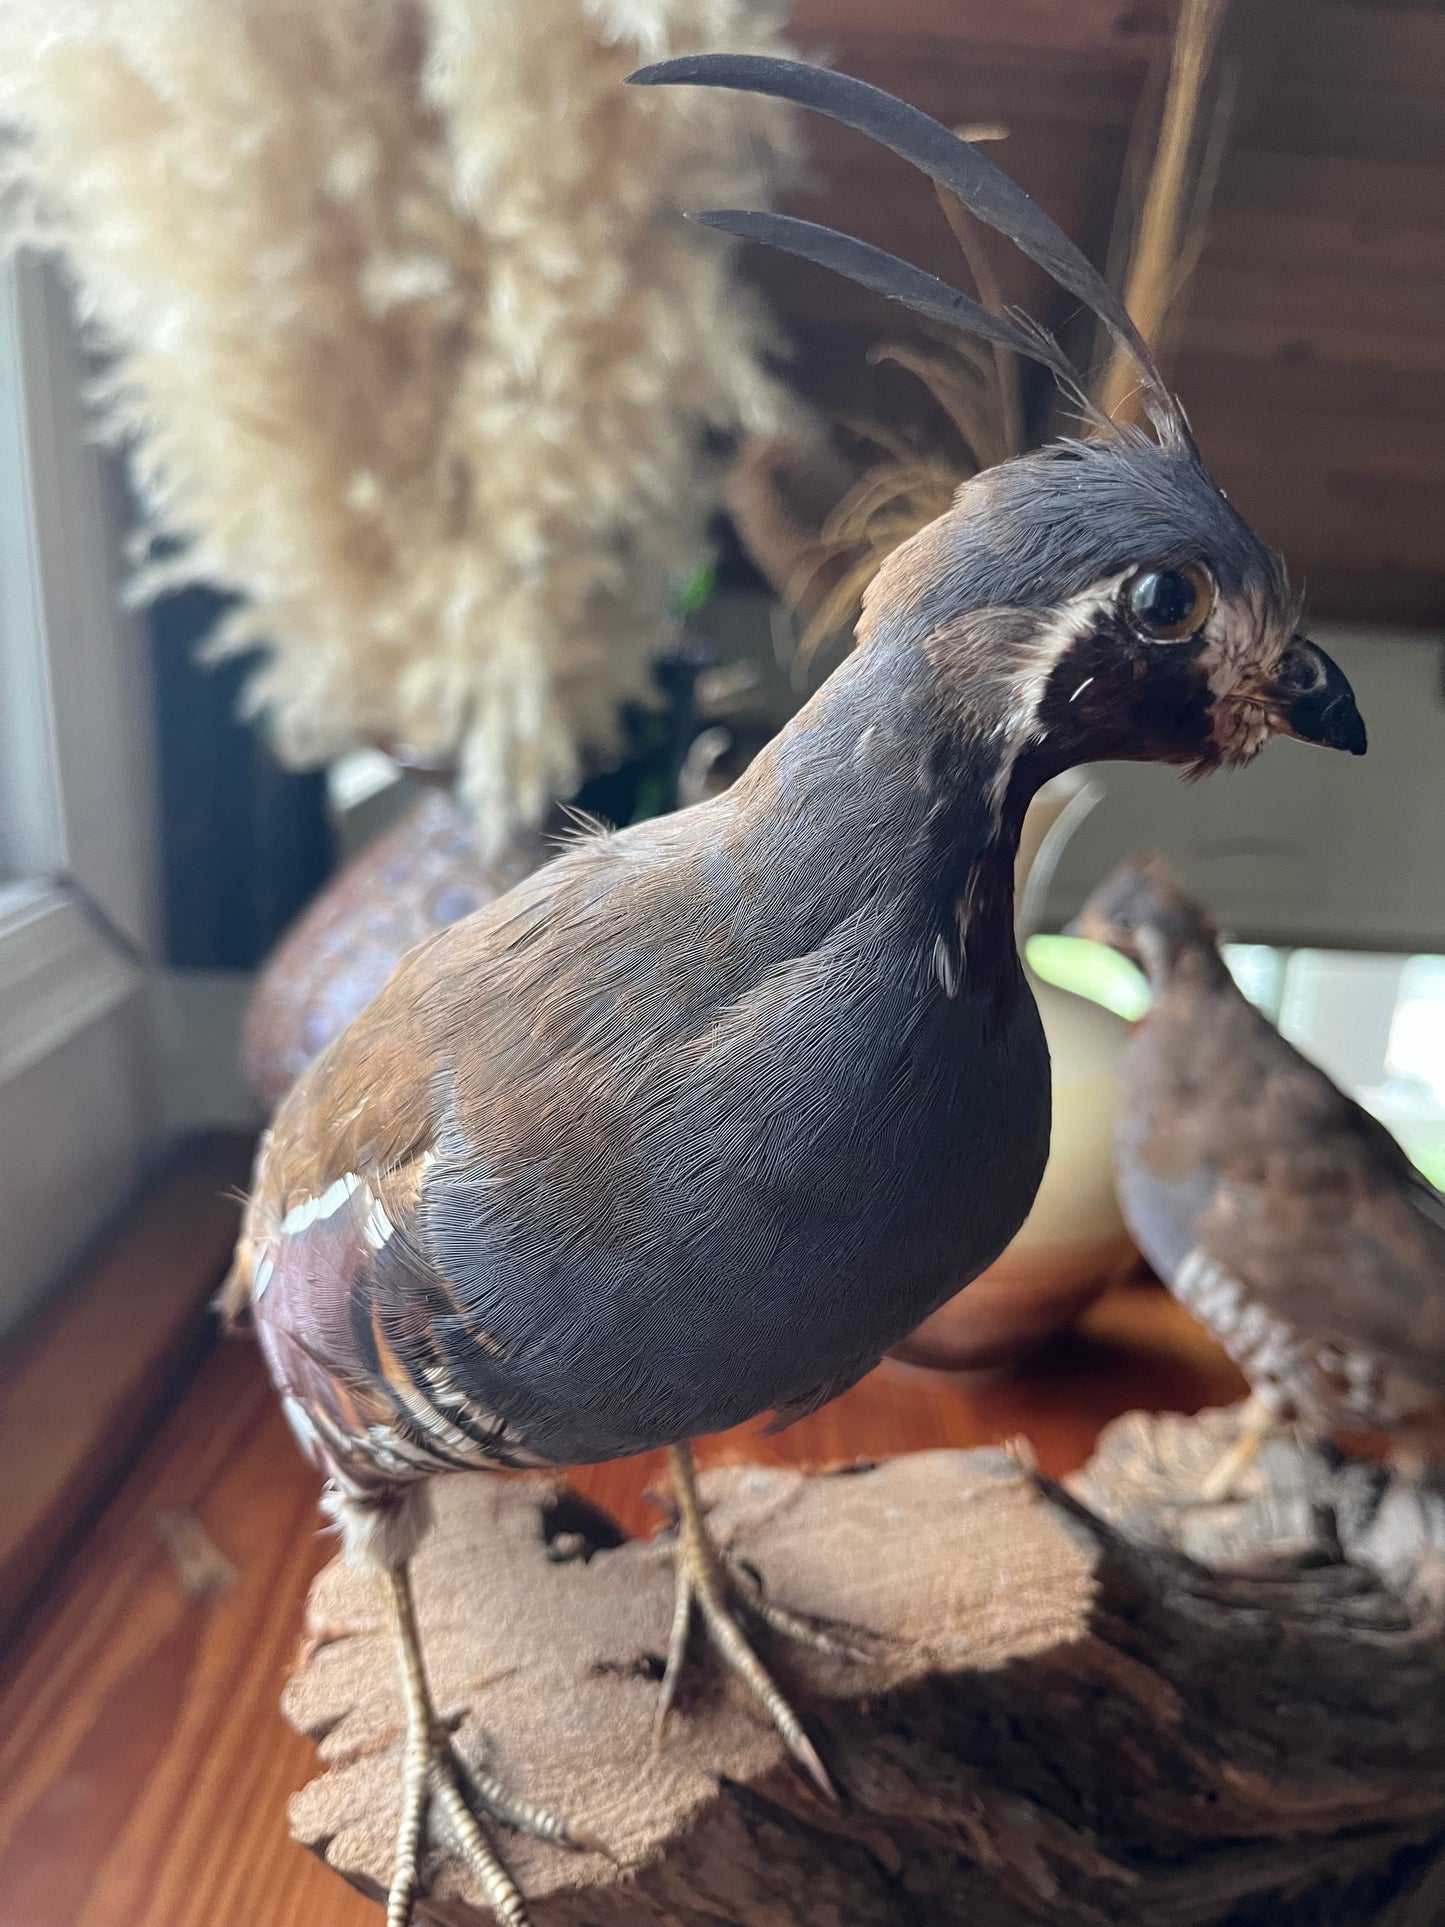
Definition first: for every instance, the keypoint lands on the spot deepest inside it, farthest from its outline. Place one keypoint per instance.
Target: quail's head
(1097, 599)
(1140, 911)
(1134, 612)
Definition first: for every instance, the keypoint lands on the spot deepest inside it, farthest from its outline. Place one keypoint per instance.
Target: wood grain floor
(83, 1383)
(144, 1766)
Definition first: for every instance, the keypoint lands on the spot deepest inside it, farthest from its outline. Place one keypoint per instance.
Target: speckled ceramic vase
(425, 871)
(1073, 1243)
(421, 873)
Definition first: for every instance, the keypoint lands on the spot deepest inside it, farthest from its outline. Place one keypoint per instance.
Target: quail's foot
(706, 1585)
(1256, 1424)
(433, 1780)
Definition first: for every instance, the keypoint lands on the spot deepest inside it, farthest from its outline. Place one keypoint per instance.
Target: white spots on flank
(945, 966)
(302, 1430)
(302, 1216)
(378, 1227)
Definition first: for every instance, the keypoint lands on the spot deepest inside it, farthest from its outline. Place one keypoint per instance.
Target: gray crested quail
(702, 1118)
(1283, 1215)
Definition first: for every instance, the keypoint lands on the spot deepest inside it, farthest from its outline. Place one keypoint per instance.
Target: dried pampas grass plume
(406, 340)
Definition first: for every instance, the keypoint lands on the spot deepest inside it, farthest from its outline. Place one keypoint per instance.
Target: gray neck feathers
(878, 802)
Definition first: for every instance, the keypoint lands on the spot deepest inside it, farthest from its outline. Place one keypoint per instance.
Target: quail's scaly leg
(1256, 1423)
(431, 1775)
(704, 1583)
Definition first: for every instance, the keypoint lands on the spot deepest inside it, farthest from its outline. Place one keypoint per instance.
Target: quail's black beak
(1314, 701)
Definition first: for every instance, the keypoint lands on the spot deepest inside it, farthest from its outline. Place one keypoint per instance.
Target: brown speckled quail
(1275, 1207)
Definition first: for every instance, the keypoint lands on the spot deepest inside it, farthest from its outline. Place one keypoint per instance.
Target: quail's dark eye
(1169, 604)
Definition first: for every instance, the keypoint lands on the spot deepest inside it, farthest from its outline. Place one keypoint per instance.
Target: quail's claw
(676, 1652)
(735, 1652)
(433, 1777)
(406, 1861)
(704, 1582)
(488, 1792)
(1256, 1423)
(1218, 1486)
(502, 1894)
(804, 1632)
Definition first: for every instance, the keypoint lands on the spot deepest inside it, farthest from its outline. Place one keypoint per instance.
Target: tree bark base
(1111, 1704)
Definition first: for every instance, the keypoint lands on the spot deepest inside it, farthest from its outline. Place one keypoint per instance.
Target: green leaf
(693, 591)
(1090, 970)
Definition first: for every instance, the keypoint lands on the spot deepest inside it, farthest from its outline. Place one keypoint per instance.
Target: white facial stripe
(1073, 619)
(1233, 644)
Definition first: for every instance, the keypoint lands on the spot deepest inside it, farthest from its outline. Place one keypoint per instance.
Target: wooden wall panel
(1313, 362)
(1313, 357)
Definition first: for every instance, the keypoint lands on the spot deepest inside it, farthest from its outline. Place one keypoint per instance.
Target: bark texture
(1103, 1705)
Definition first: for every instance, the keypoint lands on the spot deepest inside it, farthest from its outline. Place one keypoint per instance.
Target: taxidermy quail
(701, 1119)
(1283, 1215)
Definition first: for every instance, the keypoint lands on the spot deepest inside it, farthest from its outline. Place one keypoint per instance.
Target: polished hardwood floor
(144, 1766)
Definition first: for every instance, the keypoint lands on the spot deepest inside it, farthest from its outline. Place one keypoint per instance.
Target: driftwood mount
(1106, 1705)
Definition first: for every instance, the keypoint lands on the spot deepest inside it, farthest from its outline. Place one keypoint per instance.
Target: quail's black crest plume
(885, 274)
(700, 1120)
(985, 190)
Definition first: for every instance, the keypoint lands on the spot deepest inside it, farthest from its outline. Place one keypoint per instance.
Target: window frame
(78, 812)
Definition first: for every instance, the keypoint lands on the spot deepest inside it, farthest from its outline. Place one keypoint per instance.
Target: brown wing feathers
(349, 1312)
